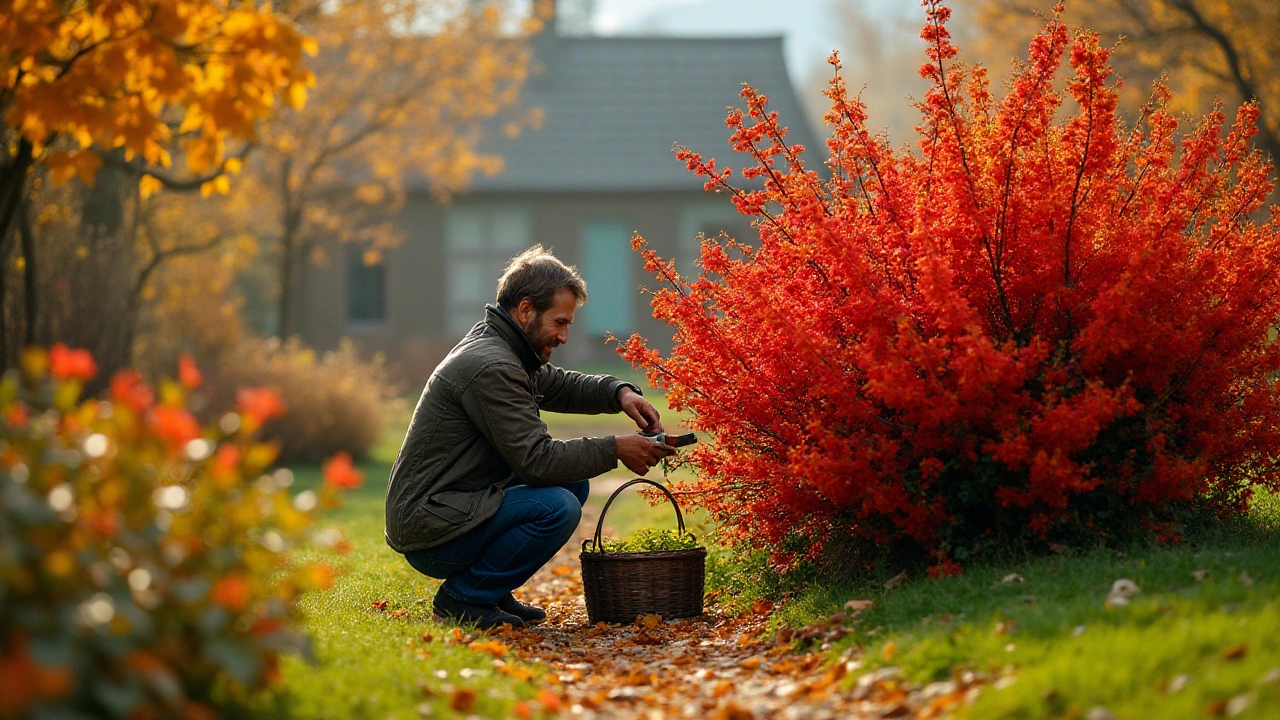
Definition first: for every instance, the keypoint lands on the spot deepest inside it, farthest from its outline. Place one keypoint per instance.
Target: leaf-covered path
(713, 666)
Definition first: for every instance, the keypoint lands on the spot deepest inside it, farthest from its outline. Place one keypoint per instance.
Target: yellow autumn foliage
(109, 73)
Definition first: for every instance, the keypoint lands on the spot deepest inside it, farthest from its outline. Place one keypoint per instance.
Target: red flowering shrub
(1036, 326)
(142, 556)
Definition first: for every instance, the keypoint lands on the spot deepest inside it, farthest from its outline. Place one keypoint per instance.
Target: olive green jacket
(476, 431)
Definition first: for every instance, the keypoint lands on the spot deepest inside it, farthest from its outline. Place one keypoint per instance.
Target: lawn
(1201, 637)
(396, 661)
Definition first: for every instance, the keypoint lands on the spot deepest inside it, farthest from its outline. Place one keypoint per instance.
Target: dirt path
(728, 668)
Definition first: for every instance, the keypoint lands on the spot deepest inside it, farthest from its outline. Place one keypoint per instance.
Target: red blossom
(68, 364)
(129, 389)
(260, 404)
(174, 425)
(188, 374)
(340, 473)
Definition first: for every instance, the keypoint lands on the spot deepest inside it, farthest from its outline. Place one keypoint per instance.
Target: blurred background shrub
(333, 401)
(143, 558)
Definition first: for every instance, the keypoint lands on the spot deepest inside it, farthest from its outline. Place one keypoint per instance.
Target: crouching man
(480, 495)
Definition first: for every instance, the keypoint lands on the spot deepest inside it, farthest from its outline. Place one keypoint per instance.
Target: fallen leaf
(732, 712)
(895, 581)
(650, 622)
(1245, 579)
(494, 647)
(427, 637)
(859, 605)
(1200, 575)
(463, 699)
(562, 570)
(1121, 592)
(1011, 578)
(1006, 627)
(1239, 704)
(399, 613)
(378, 604)
(549, 700)
(761, 606)
(889, 650)
(1235, 652)
(522, 710)
(1176, 683)
(751, 663)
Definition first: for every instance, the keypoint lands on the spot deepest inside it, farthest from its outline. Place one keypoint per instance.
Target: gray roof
(615, 105)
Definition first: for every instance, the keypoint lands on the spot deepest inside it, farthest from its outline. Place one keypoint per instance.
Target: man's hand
(640, 453)
(639, 409)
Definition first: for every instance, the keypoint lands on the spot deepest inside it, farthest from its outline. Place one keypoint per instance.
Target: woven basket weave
(619, 587)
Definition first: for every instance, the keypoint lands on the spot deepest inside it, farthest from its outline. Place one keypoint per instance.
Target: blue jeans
(484, 564)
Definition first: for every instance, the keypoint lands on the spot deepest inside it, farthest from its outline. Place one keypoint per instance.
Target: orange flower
(68, 364)
(174, 425)
(226, 465)
(188, 374)
(231, 592)
(341, 474)
(259, 404)
(129, 389)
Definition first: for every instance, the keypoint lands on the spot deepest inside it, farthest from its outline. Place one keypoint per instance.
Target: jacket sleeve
(500, 402)
(568, 391)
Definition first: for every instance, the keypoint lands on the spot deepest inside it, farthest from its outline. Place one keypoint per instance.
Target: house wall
(425, 269)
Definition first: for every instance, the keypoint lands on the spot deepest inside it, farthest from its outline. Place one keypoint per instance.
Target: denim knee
(564, 510)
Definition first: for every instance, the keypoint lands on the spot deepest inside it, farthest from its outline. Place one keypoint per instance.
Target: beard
(542, 341)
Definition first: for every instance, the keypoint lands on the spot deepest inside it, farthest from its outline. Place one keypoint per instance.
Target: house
(600, 168)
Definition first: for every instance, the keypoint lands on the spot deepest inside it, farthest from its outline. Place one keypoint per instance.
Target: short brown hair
(538, 275)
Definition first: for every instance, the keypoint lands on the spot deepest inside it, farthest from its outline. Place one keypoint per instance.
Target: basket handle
(597, 540)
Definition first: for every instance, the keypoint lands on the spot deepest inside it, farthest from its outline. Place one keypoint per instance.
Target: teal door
(606, 266)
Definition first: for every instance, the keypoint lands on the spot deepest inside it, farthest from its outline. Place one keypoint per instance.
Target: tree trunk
(288, 255)
(96, 317)
(13, 181)
(292, 219)
(30, 287)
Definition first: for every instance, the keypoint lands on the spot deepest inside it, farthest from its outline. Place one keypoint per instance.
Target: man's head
(541, 293)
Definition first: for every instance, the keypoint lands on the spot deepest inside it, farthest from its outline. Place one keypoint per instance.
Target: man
(480, 494)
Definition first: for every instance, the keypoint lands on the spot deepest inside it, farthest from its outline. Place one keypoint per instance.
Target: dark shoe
(529, 614)
(484, 617)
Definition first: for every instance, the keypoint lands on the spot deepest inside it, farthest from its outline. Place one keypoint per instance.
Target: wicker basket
(619, 587)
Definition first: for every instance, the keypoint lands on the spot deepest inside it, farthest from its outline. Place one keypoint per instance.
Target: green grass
(369, 664)
(1067, 651)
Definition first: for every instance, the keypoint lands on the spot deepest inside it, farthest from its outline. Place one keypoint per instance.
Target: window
(606, 266)
(478, 244)
(709, 218)
(366, 288)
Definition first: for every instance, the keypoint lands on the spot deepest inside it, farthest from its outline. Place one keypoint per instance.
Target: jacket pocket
(455, 507)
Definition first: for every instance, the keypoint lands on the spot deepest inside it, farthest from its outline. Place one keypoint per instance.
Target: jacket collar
(506, 327)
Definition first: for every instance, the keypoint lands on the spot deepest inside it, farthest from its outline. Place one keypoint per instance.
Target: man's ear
(525, 311)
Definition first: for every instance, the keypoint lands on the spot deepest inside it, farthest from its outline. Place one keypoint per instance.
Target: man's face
(550, 328)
